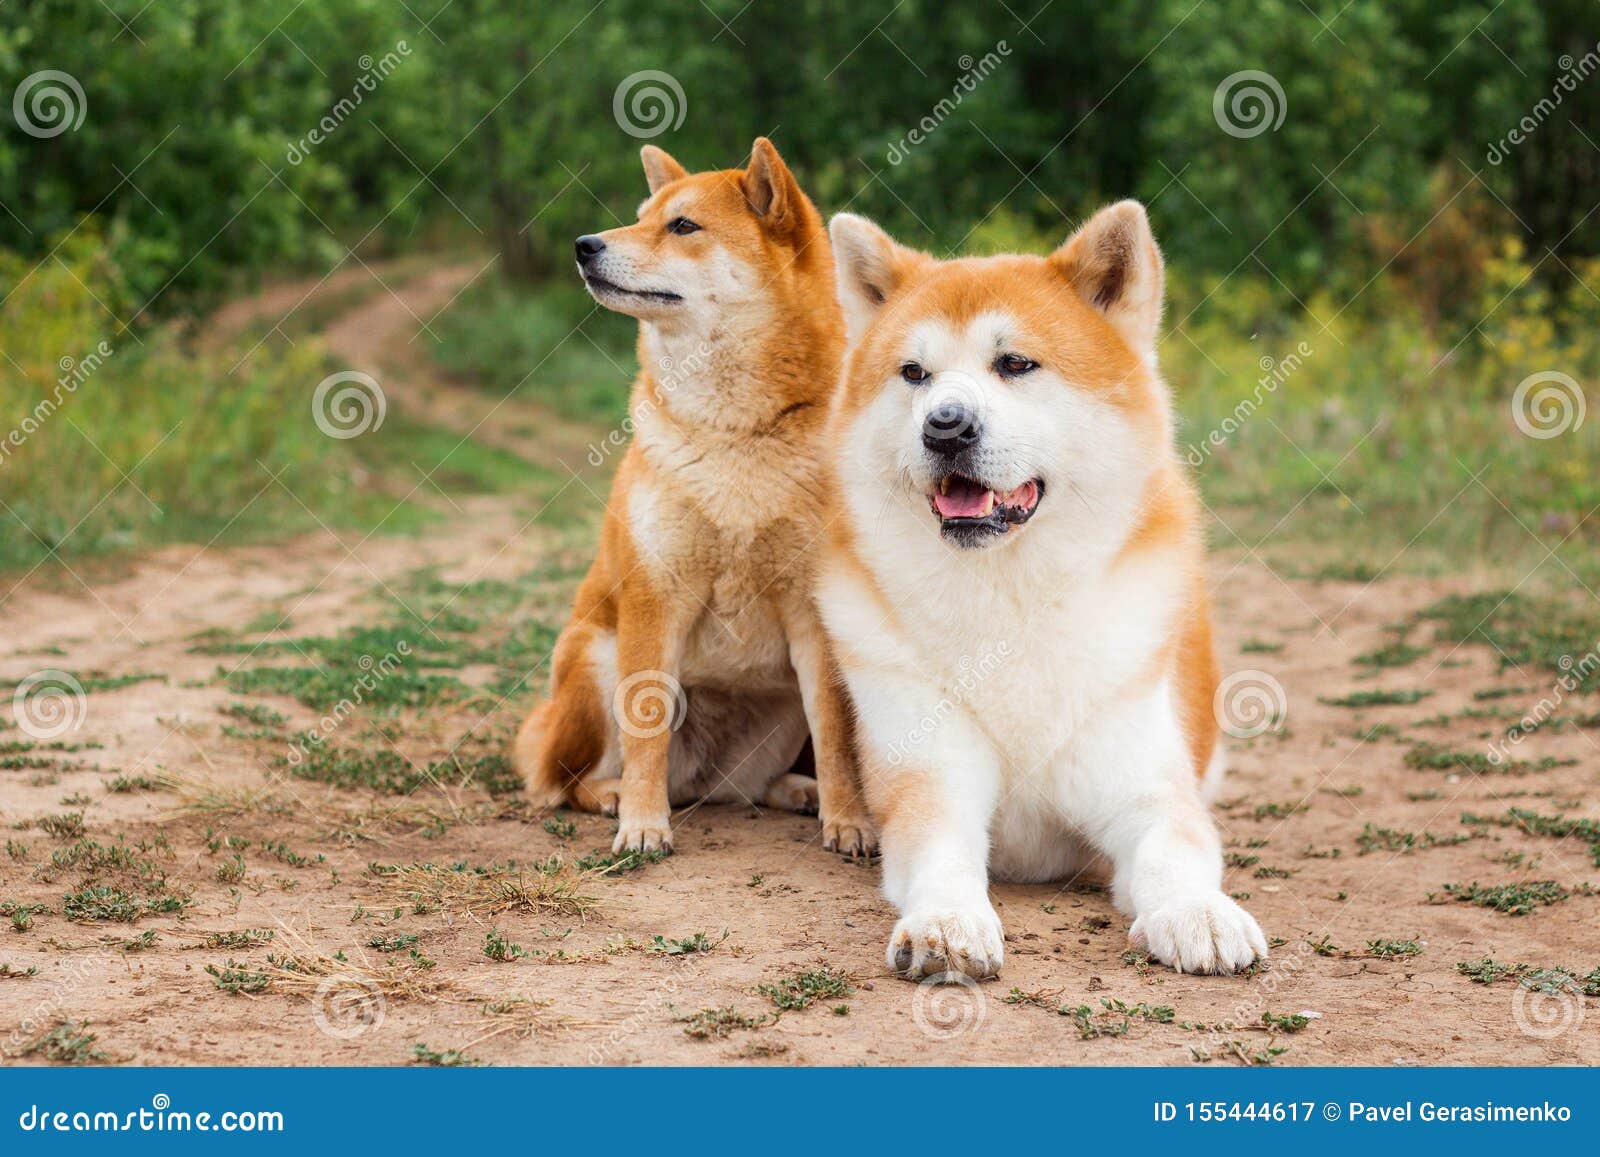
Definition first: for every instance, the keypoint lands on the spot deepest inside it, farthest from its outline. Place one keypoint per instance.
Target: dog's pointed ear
(869, 266)
(1115, 266)
(660, 170)
(770, 188)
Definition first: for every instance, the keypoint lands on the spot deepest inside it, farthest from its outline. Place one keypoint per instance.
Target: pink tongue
(965, 499)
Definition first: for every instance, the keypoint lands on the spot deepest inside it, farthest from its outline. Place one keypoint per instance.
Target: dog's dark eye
(913, 373)
(682, 226)
(1012, 365)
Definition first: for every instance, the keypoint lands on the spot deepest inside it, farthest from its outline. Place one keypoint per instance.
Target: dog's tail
(562, 739)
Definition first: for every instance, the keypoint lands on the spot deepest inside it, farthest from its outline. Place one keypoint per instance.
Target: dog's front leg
(846, 828)
(1137, 793)
(932, 780)
(648, 706)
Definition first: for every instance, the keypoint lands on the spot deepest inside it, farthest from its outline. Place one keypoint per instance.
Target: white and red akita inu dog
(1014, 585)
(695, 661)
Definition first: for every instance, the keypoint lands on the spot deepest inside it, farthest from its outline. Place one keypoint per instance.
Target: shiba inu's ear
(870, 266)
(660, 169)
(1114, 264)
(769, 186)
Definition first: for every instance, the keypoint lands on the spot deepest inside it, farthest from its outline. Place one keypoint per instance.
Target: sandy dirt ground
(750, 944)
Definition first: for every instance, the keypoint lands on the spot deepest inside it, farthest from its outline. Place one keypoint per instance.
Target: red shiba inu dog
(695, 662)
(1014, 586)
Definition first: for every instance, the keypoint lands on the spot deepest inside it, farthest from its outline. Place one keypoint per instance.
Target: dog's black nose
(950, 428)
(588, 246)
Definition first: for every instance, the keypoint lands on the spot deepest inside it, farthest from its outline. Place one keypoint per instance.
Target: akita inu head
(724, 240)
(999, 392)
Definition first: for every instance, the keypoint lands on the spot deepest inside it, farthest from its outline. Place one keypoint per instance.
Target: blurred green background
(1377, 216)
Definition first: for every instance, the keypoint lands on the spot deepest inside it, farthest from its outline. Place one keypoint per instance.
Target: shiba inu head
(720, 241)
(986, 395)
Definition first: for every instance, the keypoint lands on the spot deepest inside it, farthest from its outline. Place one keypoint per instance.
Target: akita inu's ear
(869, 266)
(660, 170)
(1115, 266)
(769, 186)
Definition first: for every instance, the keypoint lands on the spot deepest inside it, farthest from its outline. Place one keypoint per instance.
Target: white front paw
(933, 942)
(1207, 932)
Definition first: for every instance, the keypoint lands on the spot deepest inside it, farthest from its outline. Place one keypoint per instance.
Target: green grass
(65, 1043)
(1524, 630)
(1381, 447)
(552, 342)
(165, 444)
(97, 903)
(717, 1023)
(801, 991)
(386, 770)
(1512, 899)
(1557, 826)
(1432, 757)
(1376, 698)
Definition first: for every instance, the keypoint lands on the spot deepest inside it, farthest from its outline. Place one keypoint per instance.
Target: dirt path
(1338, 843)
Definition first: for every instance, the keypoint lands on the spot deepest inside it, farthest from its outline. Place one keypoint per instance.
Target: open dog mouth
(969, 509)
(599, 285)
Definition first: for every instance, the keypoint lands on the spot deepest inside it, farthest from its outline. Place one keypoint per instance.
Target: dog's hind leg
(568, 738)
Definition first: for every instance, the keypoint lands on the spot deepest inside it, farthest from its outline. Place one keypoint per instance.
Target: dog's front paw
(930, 943)
(849, 835)
(1204, 933)
(649, 836)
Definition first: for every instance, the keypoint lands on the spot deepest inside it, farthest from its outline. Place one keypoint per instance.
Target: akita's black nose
(588, 246)
(950, 428)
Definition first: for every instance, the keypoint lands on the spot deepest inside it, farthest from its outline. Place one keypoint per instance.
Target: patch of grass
(9, 973)
(1534, 824)
(1260, 647)
(243, 938)
(613, 865)
(794, 993)
(65, 1043)
(687, 946)
(1279, 811)
(1524, 630)
(96, 903)
(389, 772)
(717, 1023)
(506, 338)
(1289, 1022)
(497, 946)
(1512, 899)
(1552, 980)
(1377, 698)
(442, 1058)
(395, 943)
(488, 890)
(65, 826)
(1433, 757)
(562, 829)
(1376, 839)
(1114, 1017)
(1386, 949)
(1397, 653)
(238, 978)
(255, 713)
(127, 784)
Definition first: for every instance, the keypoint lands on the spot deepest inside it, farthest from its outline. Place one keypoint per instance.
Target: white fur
(1064, 749)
